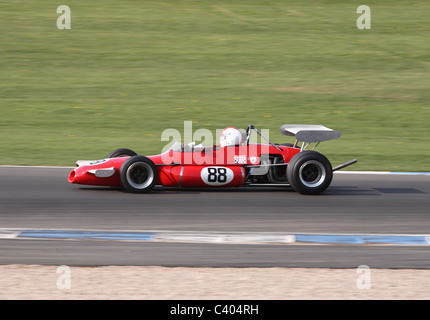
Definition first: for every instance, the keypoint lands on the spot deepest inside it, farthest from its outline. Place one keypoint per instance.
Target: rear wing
(313, 134)
(310, 133)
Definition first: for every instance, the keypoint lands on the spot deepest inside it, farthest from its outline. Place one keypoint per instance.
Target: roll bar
(248, 135)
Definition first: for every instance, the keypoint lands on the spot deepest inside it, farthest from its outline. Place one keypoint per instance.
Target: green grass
(127, 70)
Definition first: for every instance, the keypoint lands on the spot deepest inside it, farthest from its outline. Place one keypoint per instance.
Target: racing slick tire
(121, 152)
(309, 172)
(138, 174)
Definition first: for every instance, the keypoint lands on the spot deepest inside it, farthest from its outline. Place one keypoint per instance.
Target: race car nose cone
(78, 176)
(72, 176)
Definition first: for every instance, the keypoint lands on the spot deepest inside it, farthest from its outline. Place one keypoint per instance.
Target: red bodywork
(207, 167)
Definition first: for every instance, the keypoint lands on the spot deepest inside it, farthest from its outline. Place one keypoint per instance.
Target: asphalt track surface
(41, 198)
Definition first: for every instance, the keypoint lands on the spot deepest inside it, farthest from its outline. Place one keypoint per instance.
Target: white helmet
(230, 137)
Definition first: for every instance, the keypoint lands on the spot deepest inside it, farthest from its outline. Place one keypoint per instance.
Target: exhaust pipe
(346, 164)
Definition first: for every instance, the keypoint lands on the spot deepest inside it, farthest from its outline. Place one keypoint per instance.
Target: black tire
(309, 172)
(138, 174)
(121, 152)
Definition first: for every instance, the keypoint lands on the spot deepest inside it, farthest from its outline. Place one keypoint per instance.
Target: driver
(230, 136)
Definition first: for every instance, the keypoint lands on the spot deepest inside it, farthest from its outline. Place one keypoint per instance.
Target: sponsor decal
(240, 159)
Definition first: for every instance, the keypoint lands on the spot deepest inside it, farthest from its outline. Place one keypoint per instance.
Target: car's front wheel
(121, 152)
(138, 174)
(309, 172)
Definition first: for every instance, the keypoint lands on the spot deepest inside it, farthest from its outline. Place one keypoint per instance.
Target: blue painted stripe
(86, 235)
(383, 172)
(411, 173)
(221, 238)
(361, 239)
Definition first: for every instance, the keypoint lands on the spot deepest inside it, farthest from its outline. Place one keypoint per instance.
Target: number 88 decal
(216, 175)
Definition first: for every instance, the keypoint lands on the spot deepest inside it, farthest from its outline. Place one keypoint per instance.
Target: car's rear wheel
(121, 152)
(309, 172)
(138, 174)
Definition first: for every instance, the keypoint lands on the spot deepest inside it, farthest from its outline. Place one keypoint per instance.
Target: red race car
(235, 162)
